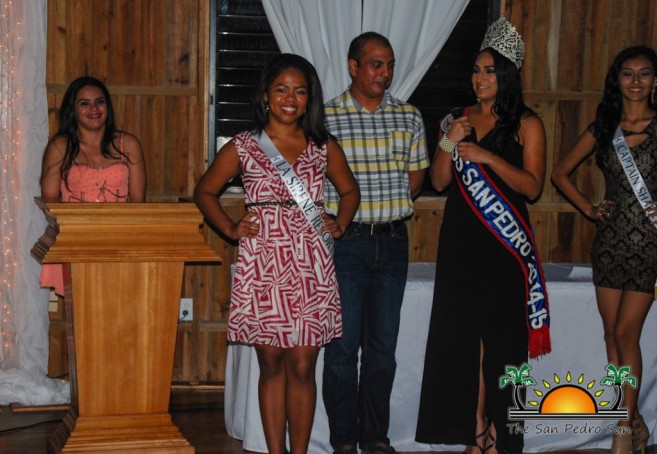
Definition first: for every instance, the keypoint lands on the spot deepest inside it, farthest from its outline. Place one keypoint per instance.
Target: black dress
(624, 252)
(480, 294)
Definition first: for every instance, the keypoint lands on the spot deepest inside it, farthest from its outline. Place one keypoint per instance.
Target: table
(577, 348)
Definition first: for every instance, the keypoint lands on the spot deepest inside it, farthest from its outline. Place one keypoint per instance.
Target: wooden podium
(123, 272)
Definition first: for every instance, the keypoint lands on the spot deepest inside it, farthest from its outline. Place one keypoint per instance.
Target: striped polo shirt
(381, 148)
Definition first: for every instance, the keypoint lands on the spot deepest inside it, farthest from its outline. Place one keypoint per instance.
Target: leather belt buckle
(377, 228)
(383, 227)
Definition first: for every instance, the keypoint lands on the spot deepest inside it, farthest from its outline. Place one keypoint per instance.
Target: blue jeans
(371, 271)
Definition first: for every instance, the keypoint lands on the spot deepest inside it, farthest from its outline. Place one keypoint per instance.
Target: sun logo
(572, 399)
(568, 398)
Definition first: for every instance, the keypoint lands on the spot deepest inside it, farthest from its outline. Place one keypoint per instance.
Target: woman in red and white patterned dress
(285, 294)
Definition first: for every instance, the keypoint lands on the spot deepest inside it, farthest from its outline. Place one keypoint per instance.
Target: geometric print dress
(624, 254)
(285, 292)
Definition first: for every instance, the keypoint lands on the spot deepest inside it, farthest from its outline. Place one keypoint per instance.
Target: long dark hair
(509, 106)
(610, 109)
(68, 125)
(312, 122)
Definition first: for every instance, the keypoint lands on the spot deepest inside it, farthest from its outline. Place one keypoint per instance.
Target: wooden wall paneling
(175, 151)
(180, 43)
(623, 24)
(540, 30)
(205, 353)
(533, 48)
(552, 28)
(182, 355)
(574, 117)
(127, 52)
(565, 131)
(57, 341)
(58, 357)
(572, 34)
(545, 110)
(598, 44)
(54, 99)
(151, 124)
(152, 33)
(540, 223)
(648, 22)
(78, 40)
(197, 143)
(194, 281)
(424, 228)
(128, 118)
(572, 240)
(217, 358)
(56, 49)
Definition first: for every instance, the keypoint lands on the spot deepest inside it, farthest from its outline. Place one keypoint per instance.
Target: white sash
(632, 172)
(297, 189)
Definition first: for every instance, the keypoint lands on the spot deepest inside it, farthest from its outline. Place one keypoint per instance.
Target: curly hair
(610, 109)
(68, 125)
(313, 121)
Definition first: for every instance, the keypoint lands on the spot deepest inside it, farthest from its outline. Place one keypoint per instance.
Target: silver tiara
(503, 37)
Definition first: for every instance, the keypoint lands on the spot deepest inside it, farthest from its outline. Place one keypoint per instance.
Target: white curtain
(321, 30)
(23, 136)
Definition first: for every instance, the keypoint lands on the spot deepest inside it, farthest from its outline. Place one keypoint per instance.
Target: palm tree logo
(519, 378)
(617, 377)
(569, 399)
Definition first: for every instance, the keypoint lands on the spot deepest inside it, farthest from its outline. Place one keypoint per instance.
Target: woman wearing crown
(490, 306)
(623, 137)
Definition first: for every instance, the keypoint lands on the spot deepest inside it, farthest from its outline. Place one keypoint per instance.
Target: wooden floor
(198, 414)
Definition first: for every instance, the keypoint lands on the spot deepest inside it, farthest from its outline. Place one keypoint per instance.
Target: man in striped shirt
(384, 141)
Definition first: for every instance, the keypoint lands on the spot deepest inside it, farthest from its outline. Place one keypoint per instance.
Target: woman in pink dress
(285, 295)
(89, 159)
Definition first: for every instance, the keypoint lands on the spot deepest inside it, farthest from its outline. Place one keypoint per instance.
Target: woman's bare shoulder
(56, 146)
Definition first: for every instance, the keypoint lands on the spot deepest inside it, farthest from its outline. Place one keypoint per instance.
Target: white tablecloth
(577, 348)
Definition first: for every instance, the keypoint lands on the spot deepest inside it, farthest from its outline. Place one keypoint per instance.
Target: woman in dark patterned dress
(624, 255)
(285, 297)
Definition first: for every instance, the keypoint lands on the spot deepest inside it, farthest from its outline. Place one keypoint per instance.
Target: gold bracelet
(446, 144)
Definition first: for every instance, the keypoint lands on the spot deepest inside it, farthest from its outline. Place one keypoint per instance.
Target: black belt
(378, 228)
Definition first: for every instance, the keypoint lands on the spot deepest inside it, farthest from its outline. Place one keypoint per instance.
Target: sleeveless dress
(624, 254)
(86, 183)
(108, 183)
(479, 294)
(285, 291)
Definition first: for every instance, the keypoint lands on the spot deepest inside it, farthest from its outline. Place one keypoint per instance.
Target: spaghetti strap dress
(285, 292)
(624, 254)
(108, 183)
(479, 297)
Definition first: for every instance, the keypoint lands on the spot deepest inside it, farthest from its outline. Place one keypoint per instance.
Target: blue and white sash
(500, 217)
(297, 189)
(632, 172)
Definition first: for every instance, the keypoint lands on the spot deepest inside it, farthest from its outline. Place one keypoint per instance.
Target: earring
(265, 104)
(652, 95)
